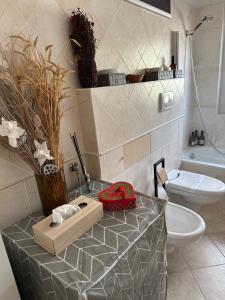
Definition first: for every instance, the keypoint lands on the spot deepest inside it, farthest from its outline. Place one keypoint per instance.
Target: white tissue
(62, 213)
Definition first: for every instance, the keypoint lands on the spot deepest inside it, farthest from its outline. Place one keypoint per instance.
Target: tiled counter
(122, 257)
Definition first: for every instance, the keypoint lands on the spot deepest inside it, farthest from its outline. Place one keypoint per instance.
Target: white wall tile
(112, 163)
(156, 139)
(206, 46)
(33, 194)
(170, 132)
(14, 204)
(71, 177)
(10, 173)
(70, 122)
(140, 175)
(215, 124)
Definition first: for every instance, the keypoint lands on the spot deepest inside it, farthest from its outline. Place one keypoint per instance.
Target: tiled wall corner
(70, 122)
(93, 165)
(87, 121)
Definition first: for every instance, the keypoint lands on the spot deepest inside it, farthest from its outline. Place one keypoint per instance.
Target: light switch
(166, 101)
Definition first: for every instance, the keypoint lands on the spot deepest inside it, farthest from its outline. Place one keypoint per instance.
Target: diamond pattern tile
(122, 113)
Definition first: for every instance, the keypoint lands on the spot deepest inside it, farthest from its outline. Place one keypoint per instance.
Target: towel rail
(160, 161)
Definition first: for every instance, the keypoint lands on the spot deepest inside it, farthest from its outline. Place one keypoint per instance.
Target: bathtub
(204, 160)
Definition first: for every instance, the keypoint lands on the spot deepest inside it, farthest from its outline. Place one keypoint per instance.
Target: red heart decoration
(118, 196)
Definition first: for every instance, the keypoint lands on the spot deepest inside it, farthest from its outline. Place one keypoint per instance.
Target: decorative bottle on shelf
(201, 140)
(192, 139)
(173, 66)
(196, 137)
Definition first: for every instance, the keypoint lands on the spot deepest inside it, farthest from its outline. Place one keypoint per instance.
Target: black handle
(161, 161)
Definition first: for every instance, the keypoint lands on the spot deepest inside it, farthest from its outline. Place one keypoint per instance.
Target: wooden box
(56, 239)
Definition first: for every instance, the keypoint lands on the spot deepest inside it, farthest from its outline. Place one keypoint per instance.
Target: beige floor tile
(202, 254)
(176, 262)
(210, 209)
(215, 223)
(211, 282)
(214, 218)
(182, 286)
(219, 240)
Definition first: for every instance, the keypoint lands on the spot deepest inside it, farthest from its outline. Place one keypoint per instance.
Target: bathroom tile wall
(206, 53)
(124, 127)
(164, 141)
(128, 38)
(124, 113)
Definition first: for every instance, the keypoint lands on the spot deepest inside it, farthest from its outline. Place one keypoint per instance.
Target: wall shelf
(130, 84)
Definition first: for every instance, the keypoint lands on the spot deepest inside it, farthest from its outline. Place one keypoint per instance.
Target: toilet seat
(193, 183)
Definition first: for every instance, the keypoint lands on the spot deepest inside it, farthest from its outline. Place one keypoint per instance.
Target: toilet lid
(195, 183)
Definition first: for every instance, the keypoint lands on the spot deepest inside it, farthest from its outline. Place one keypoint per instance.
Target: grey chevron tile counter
(122, 257)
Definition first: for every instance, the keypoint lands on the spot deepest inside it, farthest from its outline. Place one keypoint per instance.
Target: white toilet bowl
(184, 226)
(194, 190)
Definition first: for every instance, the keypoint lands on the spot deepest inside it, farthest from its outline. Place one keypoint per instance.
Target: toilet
(193, 190)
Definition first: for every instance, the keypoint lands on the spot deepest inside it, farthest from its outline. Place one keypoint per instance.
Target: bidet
(184, 226)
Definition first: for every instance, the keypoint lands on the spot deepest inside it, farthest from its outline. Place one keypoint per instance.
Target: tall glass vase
(52, 190)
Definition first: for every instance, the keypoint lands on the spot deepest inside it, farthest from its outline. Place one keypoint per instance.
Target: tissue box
(56, 239)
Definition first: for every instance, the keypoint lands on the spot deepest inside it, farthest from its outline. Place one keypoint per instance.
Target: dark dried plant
(82, 35)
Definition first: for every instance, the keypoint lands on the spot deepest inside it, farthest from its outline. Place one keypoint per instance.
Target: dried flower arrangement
(31, 91)
(84, 46)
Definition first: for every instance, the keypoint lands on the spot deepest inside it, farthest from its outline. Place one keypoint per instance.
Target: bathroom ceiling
(200, 3)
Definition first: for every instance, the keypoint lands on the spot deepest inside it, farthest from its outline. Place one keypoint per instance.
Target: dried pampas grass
(31, 91)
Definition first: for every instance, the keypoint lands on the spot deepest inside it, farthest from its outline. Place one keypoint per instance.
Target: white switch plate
(166, 101)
